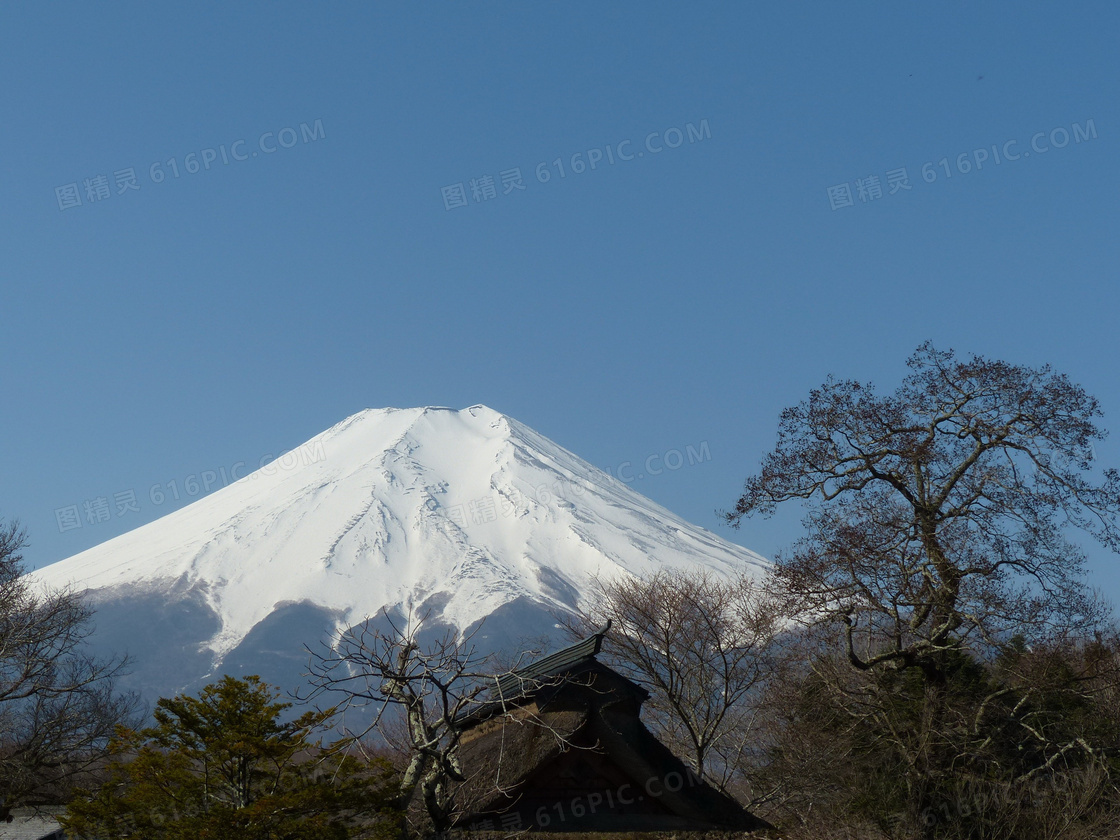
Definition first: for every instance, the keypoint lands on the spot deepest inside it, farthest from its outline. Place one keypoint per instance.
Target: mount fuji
(458, 515)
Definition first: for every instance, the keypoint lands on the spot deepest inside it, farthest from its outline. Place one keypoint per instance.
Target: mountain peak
(457, 512)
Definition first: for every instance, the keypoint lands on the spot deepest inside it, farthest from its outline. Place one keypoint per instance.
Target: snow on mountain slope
(461, 512)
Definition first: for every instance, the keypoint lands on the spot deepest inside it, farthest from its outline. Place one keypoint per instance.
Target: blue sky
(357, 255)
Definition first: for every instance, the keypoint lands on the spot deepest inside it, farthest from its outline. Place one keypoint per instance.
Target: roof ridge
(583, 650)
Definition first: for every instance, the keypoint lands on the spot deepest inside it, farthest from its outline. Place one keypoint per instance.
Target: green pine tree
(224, 766)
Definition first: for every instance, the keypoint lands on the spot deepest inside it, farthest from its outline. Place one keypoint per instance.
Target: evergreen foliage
(224, 765)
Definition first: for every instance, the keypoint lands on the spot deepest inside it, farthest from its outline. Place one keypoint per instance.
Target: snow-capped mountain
(463, 515)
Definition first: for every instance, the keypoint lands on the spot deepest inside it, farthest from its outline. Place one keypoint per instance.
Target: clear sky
(291, 212)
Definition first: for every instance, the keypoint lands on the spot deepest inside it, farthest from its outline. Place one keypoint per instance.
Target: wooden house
(560, 746)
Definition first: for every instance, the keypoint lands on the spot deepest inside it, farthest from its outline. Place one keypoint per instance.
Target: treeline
(1018, 740)
(926, 661)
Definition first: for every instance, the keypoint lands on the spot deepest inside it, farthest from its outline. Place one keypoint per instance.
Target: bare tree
(940, 508)
(700, 644)
(58, 706)
(937, 520)
(1028, 741)
(432, 686)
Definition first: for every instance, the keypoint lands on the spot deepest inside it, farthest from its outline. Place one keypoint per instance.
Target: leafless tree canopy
(58, 706)
(699, 643)
(937, 544)
(939, 511)
(431, 686)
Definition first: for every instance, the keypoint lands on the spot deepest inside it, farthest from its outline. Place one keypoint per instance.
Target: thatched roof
(560, 662)
(499, 755)
(541, 680)
(567, 745)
